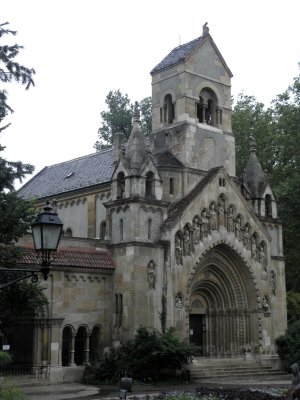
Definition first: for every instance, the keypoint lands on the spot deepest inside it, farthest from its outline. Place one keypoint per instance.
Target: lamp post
(46, 232)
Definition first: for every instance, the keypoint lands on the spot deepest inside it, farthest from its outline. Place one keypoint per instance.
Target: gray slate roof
(177, 55)
(70, 175)
(255, 178)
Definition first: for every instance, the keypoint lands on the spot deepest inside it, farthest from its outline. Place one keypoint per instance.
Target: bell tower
(191, 96)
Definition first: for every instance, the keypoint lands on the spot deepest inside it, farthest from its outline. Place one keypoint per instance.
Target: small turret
(136, 148)
(254, 176)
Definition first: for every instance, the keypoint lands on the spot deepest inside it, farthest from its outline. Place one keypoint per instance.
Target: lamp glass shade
(46, 230)
(46, 236)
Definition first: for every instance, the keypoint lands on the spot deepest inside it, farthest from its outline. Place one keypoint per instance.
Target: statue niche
(213, 219)
(178, 248)
(203, 225)
(196, 229)
(151, 274)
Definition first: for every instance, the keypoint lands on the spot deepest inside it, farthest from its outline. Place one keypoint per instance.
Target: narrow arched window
(66, 346)
(169, 109)
(95, 343)
(80, 346)
(171, 185)
(103, 230)
(120, 185)
(268, 205)
(149, 228)
(121, 230)
(69, 232)
(207, 108)
(150, 184)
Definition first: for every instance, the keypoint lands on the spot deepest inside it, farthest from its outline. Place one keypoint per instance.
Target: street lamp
(46, 232)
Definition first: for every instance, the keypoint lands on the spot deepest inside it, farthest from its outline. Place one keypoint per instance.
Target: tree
(286, 177)
(11, 70)
(15, 212)
(118, 118)
(250, 116)
(277, 133)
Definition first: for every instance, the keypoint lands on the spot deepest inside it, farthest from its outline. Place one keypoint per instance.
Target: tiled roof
(167, 159)
(76, 258)
(176, 209)
(255, 178)
(180, 53)
(177, 55)
(70, 175)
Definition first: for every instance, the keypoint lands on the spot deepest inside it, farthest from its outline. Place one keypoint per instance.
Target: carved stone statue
(178, 301)
(230, 220)
(178, 250)
(246, 237)
(253, 249)
(262, 258)
(238, 228)
(221, 213)
(213, 218)
(203, 225)
(196, 227)
(186, 242)
(151, 274)
(266, 306)
(273, 281)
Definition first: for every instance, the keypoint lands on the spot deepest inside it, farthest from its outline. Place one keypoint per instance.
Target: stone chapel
(164, 226)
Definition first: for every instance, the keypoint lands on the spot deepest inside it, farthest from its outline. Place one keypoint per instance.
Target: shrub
(150, 356)
(289, 344)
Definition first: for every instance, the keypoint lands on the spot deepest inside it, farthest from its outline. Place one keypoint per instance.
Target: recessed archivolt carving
(224, 262)
(219, 217)
(230, 286)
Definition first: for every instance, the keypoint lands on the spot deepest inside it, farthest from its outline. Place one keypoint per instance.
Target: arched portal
(223, 310)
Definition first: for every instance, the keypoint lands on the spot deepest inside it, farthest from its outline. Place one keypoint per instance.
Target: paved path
(140, 392)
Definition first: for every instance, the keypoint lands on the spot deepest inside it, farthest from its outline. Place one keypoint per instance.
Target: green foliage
(118, 118)
(288, 345)
(5, 358)
(146, 115)
(250, 116)
(16, 214)
(150, 356)
(10, 70)
(277, 134)
(293, 307)
(8, 392)
(20, 300)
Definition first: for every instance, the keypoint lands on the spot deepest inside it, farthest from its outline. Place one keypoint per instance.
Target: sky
(82, 49)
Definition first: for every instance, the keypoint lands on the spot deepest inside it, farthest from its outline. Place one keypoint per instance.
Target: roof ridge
(79, 158)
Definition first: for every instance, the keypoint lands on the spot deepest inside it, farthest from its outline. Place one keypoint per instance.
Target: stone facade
(177, 222)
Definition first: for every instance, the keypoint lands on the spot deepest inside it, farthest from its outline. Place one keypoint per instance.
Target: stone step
(232, 368)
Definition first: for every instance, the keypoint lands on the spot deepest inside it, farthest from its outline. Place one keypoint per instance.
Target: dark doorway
(197, 329)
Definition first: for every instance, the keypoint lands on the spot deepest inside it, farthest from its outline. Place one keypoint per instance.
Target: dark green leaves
(118, 118)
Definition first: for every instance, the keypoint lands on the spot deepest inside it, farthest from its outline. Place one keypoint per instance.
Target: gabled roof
(167, 159)
(70, 175)
(176, 209)
(75, 258)
(180, 54)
